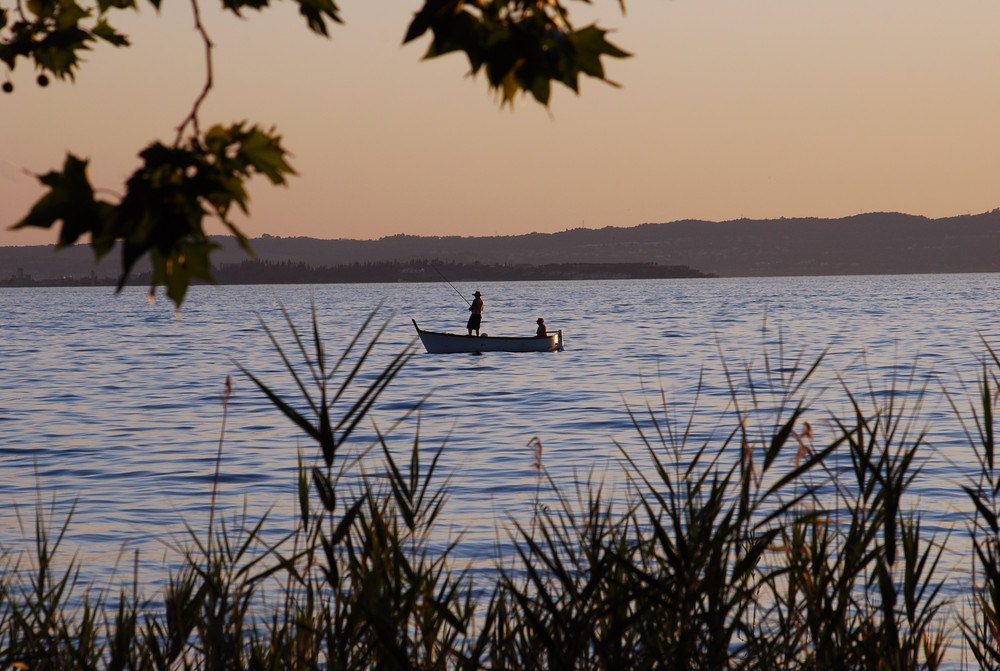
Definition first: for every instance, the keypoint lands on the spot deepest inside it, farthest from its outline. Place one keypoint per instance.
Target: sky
(728, 109)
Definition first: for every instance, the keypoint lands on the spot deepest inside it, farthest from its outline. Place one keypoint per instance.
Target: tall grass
(787, 543)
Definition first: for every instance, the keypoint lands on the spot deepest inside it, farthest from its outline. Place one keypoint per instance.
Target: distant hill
(875, 243)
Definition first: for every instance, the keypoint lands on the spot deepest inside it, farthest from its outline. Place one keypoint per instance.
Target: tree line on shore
(261, 271)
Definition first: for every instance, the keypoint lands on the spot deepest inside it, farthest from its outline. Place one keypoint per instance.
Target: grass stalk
(786, 542)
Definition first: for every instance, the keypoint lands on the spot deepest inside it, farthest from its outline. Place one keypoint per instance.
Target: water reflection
(113, 404)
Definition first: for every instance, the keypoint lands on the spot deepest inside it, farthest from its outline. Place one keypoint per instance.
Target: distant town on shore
(866, 244)
(256, 271)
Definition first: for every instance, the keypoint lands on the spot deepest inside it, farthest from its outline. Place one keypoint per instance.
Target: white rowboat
(453, 343)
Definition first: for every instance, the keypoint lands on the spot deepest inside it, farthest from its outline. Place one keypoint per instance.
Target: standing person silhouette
(476, 318)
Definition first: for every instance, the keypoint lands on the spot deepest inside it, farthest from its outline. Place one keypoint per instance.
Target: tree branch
(192, 117)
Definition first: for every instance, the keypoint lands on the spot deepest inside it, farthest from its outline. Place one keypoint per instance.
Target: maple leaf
(70, 199)
(264, 153)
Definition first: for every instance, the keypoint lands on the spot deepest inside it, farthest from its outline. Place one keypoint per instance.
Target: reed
(981, 623)
(789, 542)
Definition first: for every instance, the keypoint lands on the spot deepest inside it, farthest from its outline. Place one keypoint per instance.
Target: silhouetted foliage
(521, 46)
(777, 545)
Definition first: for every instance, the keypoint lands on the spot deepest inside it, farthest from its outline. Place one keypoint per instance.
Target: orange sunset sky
(729, 108)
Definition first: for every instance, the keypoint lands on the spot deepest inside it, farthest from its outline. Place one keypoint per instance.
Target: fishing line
(450, 284)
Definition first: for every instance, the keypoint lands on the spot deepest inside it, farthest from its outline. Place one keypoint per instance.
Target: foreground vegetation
(771, 548)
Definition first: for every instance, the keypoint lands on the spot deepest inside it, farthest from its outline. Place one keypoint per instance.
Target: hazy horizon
(729, 110)
(324, 238)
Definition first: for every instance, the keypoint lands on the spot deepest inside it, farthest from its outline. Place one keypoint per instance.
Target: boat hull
(452, 343)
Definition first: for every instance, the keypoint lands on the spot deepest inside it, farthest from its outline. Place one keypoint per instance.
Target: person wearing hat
(542, 331)
(476, 308)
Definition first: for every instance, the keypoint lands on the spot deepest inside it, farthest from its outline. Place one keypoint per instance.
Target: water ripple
(116, 404)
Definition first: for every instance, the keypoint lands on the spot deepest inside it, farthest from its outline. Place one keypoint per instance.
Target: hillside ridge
(872, 243)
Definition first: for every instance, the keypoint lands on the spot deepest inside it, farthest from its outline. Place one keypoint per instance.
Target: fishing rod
(450, 284)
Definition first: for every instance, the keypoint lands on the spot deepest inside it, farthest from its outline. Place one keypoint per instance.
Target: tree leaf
(316, 13)
(70, 199)
(524, 47)
(235, 5)
(590, 45)
(57, 51)
(105, 5)
(106, 32)
(264, 153)
(429, 15)
(69, 15)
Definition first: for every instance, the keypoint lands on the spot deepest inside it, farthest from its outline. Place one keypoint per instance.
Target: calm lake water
(113, 403)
